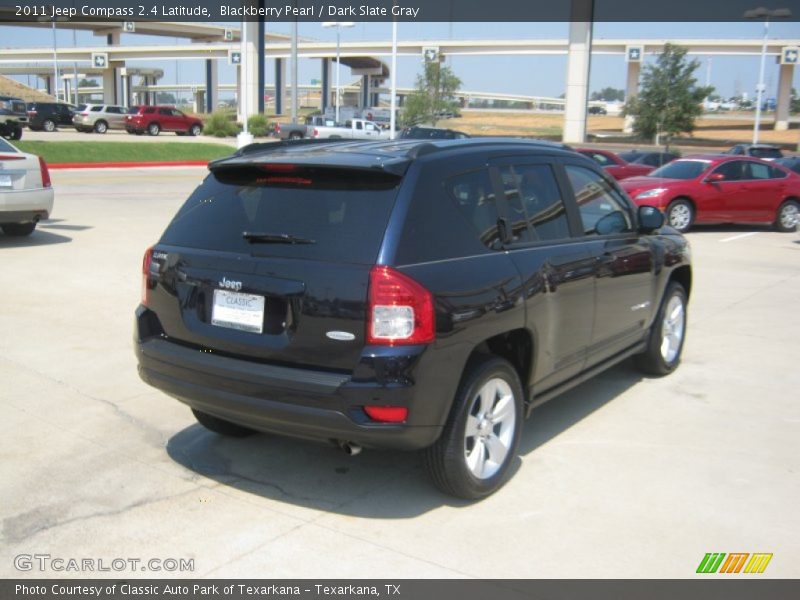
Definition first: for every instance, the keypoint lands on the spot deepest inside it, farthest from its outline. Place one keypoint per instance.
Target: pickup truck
(298, 131)
(357, 129)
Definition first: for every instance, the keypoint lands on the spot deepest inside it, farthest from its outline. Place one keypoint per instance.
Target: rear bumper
(292, 401)
(17, 206)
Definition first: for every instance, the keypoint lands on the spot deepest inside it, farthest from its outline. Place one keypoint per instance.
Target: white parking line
(740, 236)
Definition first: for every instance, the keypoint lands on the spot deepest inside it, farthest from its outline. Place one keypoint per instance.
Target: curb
(128, 165)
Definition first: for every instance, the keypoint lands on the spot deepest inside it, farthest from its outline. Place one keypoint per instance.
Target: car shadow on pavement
(375, 484)
(37, 238)
(59, 224)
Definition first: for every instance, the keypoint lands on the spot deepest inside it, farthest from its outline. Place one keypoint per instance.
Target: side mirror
(613, 222)
(650, 219)
(715, 177)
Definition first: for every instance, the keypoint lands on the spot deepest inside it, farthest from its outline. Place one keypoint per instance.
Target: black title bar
(213, 11)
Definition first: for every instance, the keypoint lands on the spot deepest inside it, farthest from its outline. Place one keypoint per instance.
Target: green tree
(434, 95)
(669, 99)
(84, 83)
(609, 94)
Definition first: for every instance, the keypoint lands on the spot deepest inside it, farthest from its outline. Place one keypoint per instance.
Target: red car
(155, 119)
(614, 165)
(712, 188)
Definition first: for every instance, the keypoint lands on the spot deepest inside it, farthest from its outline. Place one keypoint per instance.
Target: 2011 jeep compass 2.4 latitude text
(407, 294)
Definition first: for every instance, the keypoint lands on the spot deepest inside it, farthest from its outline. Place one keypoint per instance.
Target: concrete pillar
(211, 94)
(199, 101)
(784, 97)
(364, 101)
(113, 39)
(325, 92)
(248, 96)
(109, 93)
(261, 58)
(578, 61)
(631, 91)
(280, 86)
(48, 83)
(68, 89)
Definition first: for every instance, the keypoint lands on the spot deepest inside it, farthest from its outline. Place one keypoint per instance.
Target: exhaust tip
(350, 448)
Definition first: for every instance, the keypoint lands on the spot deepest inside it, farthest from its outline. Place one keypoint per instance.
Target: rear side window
(602, 209)
(149, 111)
(164, 111)
(766, 152)
(97, 109)
(340, 215)
(536, 210)
(475, 199)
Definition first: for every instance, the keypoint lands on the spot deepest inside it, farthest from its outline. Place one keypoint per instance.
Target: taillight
(387, 414)
(399, 311)
(277, 127)
(316, 132)
(146, 262)
(45, 173)
(84, 114)
(31, 113)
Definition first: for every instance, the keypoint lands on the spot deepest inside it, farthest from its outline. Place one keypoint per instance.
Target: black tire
(100, 127)
(295, 135)
(786, 219)
(653, 361)
(221, 426)
(195, 130)
(16, 134)
(18, 229)
(680, 214)
(49, 125)
(153, 129)
(447, 460)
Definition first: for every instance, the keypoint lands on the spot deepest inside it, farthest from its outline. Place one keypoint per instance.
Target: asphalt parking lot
(622, 477)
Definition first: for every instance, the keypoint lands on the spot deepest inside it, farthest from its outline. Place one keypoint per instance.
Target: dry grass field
(735, 128)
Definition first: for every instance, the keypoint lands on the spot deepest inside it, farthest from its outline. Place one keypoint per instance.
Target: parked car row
(96, 118)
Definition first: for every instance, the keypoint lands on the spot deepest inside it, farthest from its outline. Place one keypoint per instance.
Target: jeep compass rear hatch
(245, 269)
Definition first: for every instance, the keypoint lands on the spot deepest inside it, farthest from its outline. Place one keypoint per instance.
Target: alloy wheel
(489, 431)
(672, 329)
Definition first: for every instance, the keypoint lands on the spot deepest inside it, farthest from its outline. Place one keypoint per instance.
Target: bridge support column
(784, 97)
(199, 101)
(280, 85)
(113, 39)
(578, 61)
(364, 102)
(631, 91)
(248, 88)
(211, 94)
(109, 84)
(48, 83)
(325, 92)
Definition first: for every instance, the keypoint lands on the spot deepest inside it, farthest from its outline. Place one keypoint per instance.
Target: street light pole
(766, 14)
(760, 88)
(54, 87)
(393, 101)
(338, 65)
(338, 25)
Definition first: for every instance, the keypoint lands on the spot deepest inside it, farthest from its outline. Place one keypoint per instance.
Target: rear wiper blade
(275, 238)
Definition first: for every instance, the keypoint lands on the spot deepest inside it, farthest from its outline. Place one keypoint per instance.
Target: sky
(530, 75)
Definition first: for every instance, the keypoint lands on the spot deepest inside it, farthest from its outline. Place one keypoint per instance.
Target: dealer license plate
(235, 310)
(5, 181)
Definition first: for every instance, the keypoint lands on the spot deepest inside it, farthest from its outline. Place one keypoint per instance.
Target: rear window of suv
(342, 214)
